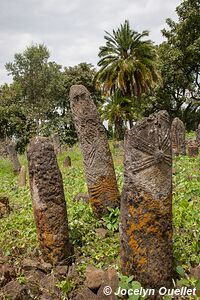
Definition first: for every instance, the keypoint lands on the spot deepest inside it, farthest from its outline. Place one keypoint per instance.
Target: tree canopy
(37, 102)
(128, 68)
(180, 66)
(134, 79)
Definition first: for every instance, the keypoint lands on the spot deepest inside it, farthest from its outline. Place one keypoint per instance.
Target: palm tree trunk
(128, 95)
(119, 130)
(130, 123)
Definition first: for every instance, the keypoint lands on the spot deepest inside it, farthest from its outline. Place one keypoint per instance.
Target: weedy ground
(18, 234)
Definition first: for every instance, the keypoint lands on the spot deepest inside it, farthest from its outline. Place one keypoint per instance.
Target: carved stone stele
(146, 205)
(98, 163)
(178, 137)
(4, 206)
(48, 200)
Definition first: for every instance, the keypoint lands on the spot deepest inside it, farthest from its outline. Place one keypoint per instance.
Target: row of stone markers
(146, 200)
(21, 170)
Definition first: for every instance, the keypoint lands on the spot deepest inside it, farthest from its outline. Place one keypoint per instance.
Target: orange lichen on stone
(142, 261)
(133, 243)
(48, 238)
(145, 226)
(152, 229)
(103, 194)
(132, 210)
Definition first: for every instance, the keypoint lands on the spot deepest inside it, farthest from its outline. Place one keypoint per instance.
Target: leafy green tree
(184, 37)
(128, 63)
(180, 66)
(42, 92)
(13, 120)
(38, 81)
(59, 118)
(84, 74)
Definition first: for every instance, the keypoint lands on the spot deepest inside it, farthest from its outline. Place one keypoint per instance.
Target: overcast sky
(73, 30)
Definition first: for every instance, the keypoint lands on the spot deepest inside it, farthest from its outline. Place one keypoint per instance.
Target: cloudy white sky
(74, 30)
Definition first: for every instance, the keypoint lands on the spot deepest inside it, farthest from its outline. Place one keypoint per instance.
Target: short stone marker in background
(98, 163)
(48, 201)
(22, 177)
(67, 162)
(4, 206)
(193, 149)
(146, 205)
(3, 148)
(56, 143)
(13, 157)
(81, 196)
(178, 137)
(198, 135)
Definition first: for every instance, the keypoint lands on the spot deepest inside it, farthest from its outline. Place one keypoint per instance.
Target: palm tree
(128, 63)
(116, 110)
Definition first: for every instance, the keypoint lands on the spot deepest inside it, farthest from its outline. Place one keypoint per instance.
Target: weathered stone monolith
(48, 200)
(178, 137)
(146, 205)
(67, 162)
(22, 177)
(13, 157)
(198, 135)
(98, 163)
(56, 143)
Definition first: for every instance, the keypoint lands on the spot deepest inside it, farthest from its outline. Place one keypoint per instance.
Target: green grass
(18, 234)
(191, 135)
(186, 210)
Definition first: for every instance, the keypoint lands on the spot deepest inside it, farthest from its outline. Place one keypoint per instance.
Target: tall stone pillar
(146, 205)
(98, 163)
(22, 177)
(56, 143)
(48, 200)
(12, 153)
